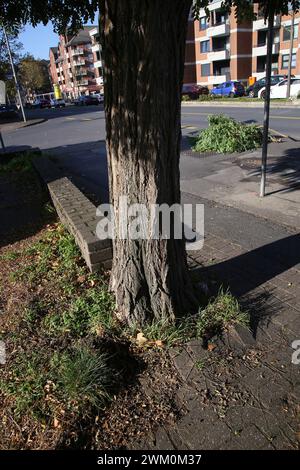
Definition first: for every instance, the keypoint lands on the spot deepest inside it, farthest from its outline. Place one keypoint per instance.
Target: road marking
(272, 116)
(285, 117)
(187, 126)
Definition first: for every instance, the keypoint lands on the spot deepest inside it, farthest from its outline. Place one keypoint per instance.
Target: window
(204, 46)
(205, 70)
(285, 61)
(283, 83)
(203, 23)
(98, 55)
(287, 32)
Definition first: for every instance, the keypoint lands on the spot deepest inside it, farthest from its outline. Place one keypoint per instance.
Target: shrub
(226, 135)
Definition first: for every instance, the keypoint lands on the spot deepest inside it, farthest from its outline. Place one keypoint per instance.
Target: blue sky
(38, 40)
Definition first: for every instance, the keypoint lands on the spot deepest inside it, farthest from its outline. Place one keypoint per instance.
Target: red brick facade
(72, 66)
(220, 48)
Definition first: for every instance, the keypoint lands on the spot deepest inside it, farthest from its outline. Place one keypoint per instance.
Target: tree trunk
(143, 51)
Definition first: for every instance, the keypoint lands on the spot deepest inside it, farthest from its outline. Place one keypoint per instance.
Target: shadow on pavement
(248, 271)
(286, 168)
(71, 111)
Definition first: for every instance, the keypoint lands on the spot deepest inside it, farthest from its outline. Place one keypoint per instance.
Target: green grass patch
(165, 332)
(72, 380)
(84, 376)
(20, 162)
(226, 135)
(90, 313)
(221, 311)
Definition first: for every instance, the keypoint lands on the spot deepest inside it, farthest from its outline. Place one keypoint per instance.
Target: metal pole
(14, 73)
(267, 104)
(2, 142)
(288, 91)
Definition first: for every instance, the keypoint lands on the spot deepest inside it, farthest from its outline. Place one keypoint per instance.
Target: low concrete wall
(77, 213)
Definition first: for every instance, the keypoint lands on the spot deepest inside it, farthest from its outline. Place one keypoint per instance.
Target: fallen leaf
(211, 346)
(81, 279)
(55, 423)
(141, 339)
(159, 343)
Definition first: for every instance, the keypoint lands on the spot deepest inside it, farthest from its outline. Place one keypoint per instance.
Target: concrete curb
(12, 126)
(77, 213)
(241, 104)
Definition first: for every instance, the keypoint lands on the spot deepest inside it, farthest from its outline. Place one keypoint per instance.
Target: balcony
(78, 52)
(221, 54)
(99, 80)
(96, 48)
(262, 50)
(79, 63)
(81, 72)
(222, 29)
(260, 23)
(83, 83)
(98, 64)
(217, 79)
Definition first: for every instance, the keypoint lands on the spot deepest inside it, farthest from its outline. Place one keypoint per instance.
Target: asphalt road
(75, 136)
(73, 125)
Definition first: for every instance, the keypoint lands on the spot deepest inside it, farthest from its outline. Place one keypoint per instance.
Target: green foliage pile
(226, 135)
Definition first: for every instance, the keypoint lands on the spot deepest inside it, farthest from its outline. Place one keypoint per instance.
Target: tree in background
(143, 51)
(5, 67)
(33, 75)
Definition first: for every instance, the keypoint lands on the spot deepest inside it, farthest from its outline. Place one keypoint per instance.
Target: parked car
(39, 103)
(280, 89)
(8, 111)
(253, 90)
(194, 91)
(86, 100)
(230, 89)
(57, 103)
(99, 96)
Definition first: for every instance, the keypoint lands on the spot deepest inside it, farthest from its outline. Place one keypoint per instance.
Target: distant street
(73, 125)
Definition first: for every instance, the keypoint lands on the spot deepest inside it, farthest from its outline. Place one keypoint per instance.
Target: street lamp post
(14, 73)
(288, 91)
(267, 104)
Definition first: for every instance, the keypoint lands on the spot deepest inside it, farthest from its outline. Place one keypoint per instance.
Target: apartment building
(72, 64)
(219, 48)
(281, 46)
(97, 57)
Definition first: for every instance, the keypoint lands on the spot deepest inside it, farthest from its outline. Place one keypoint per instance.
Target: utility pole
(288, 91)
(14, 73)
(267, 103)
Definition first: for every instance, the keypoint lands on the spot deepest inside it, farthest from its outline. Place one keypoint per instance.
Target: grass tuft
(84, 376)
(219, 313)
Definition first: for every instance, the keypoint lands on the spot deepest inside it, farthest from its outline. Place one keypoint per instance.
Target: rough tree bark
(143, 51)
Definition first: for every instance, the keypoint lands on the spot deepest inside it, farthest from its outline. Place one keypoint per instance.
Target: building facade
(97, 57)
(219, 48)
(72, 64)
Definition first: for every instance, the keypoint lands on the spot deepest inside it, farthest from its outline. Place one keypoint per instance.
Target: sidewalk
(234, 180)
(243, 394)
(12, 126)
(292, 104)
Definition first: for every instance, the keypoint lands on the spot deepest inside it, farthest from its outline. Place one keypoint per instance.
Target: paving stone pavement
(244, 394)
